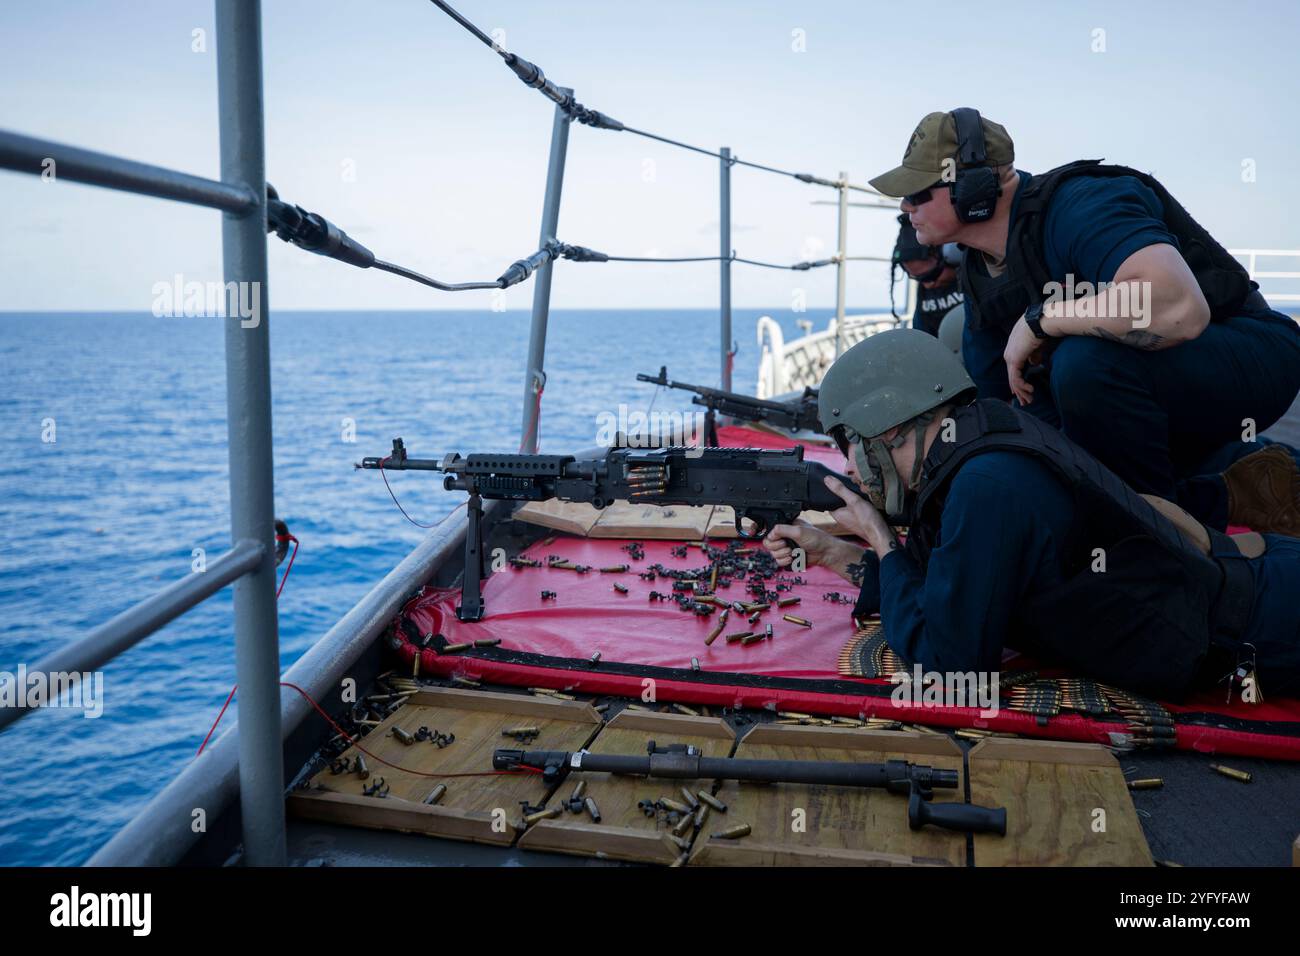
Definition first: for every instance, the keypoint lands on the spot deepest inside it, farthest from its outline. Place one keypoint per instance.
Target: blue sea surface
(137, 478)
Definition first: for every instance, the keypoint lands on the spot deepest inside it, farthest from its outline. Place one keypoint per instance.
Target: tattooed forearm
(1135, 338)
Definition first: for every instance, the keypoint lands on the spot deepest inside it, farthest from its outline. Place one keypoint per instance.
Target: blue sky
(449, 149)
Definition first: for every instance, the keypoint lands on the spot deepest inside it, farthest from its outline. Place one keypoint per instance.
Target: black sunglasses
(925, 195)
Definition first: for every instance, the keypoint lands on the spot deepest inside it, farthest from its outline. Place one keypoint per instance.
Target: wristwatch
(1034, 319)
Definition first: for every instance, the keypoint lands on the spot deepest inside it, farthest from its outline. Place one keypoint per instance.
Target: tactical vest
(1146, 622)
(998, 301)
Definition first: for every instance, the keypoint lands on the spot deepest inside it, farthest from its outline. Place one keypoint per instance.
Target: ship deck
(1197, 818)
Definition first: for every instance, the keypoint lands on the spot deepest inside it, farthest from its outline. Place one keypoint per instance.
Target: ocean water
(136, 480)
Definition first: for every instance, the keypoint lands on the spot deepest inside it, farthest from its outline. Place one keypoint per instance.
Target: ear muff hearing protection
(976, 189)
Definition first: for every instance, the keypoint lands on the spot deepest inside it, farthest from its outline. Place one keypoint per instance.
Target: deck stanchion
(534, 373)
(724, 230)
(841, 266)
(248, 404)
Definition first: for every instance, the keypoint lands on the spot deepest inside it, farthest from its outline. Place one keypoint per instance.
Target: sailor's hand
(1023, 349)
(784, 539)
(859, 516)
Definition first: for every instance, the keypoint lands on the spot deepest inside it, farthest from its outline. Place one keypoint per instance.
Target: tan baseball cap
(933, 141)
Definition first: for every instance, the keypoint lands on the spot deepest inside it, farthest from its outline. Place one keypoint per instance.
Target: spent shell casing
(701, 814)
(711, 800)
(592, 809)
(751, 639)
(681, 842)
(1232, 772)
(692, 801)
(438, 793)
(767, 632)
(797, 620)
(487, 642)
(579, 790)
(738, 607)
(363, 771)
(733, 833)
(403, 736)
(620, 588)
(550, 814)
(753, 618)
(695, 663)
(453, 648)
(614, 569)
(739, 636)
(788, 602)
(1149, 783)
(520, 731)
(684, 825)
(676, 805)
(594, 659)
(688, 711)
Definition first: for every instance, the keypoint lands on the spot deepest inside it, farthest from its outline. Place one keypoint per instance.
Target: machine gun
(796, 415)
(765, 486)
(685, 762)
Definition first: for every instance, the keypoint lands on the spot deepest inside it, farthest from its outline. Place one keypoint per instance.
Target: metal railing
(1252, 257)
(240, 195)
(250, 755)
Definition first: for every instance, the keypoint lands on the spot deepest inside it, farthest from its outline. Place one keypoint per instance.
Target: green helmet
(888, 379)
(951, 328)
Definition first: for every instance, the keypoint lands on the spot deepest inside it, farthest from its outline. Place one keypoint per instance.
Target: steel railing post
(724, 230)
(534, 372)
(842, 265)
(248, 404)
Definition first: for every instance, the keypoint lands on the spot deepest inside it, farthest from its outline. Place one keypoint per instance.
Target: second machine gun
(799, 414)
(765, 486)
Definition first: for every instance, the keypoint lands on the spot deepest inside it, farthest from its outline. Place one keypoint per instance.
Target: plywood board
(1067, 805)
(575, 517)
(806, 825)
(483, 807)
(624, 831)
(675, 522)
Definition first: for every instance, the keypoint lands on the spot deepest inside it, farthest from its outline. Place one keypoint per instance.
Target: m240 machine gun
(685, 762)
(765, 486)
(796, 415)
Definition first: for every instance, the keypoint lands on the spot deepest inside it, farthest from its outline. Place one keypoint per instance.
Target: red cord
(353, 741)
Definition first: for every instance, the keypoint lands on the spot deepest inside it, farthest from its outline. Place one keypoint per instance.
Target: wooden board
(805, 825)
(1052, 792)
(624, 832)
(483, 809)
(673, 522)
(574, 517)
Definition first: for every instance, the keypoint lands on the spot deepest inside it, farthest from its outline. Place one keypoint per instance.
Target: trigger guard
(758, 524)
